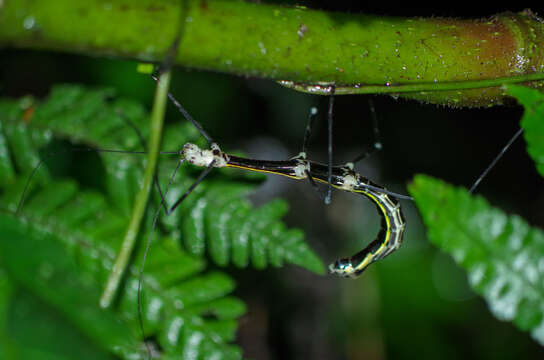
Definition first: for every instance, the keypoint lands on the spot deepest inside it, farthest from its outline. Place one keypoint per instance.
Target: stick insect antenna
(53, 153)
(148, 245)
(188, 116)
(495, 160)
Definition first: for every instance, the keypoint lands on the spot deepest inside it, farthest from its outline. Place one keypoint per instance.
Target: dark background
(416, 303)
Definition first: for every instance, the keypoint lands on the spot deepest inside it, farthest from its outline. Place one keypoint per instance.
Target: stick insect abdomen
(389, 238)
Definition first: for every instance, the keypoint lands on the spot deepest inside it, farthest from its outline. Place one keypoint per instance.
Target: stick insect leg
(154, 225)
(192, 187)
(147, 246)
(202, 132)
(303, 154)
(329, 122)
(308, 132)
(167, 211)
(377, 146)
(188, 116)
(305, 142)
(313, 183)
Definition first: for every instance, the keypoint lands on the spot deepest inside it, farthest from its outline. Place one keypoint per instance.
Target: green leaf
(39, 263)
(532, 121)
(502, 254)
(37, 331)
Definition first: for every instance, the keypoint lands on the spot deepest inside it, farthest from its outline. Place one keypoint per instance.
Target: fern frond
(502, 254)
(76, 228)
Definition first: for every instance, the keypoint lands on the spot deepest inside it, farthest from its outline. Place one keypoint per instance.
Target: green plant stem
(293, 43)
(124, 255)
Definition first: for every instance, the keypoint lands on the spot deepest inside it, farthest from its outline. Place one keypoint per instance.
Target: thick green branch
(296, 44)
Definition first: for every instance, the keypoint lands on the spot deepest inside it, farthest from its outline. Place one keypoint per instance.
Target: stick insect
(341, 177)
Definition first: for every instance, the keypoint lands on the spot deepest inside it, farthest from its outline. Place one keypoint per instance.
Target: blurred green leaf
(502, 254)
(39, 263)
(37, 331)
(532, 121)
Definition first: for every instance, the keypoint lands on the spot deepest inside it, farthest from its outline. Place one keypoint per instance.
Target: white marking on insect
(350, 181)
(204, 157)
(301, 169)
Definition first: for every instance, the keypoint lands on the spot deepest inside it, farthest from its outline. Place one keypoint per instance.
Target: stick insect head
(204, 157)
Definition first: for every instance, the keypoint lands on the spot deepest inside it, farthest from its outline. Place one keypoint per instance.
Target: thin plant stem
(125, 252)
